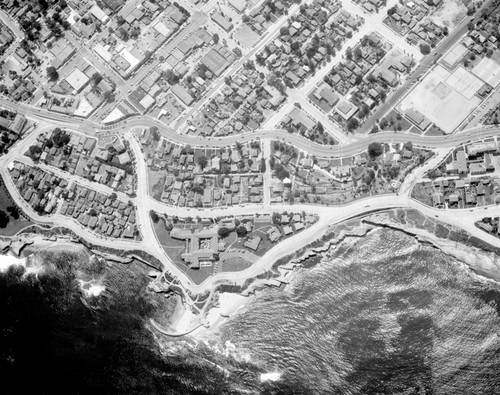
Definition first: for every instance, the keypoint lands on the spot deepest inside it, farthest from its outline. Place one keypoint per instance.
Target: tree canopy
(375, 150)
(4, 219)
(52, 73)
(223, 232)
(60, 138)
(425, 49)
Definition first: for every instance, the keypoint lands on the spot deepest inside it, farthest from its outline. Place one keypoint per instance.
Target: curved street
(327, 215)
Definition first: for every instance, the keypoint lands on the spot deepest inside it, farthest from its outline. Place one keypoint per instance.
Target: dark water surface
(381, 315)
(384, 315)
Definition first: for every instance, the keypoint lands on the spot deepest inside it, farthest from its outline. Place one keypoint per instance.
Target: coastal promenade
(328, 215)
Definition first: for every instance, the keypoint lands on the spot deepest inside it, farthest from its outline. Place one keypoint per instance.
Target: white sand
(229, 303)
(186, 322)
(9, 260)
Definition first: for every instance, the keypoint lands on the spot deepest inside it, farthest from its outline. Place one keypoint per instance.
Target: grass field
(234, 264)
(394, 121)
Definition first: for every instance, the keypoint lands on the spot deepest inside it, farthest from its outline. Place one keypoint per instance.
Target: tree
(223, 232)
(352, 124)
(135, 33)
(123, 34)
(4, 219)
(425, 49)
(375, 129)
(155, 135)
(371, 78)
(60, 138)
(280, 171)
(171, 77)
(241, 231)
(113, 197)
(369, 177)
(392, 10)
(237, 52)
(96, 78)
(34, 152)
(14, 211)
(202, 161)
(357, 53)
(348, 53)
(154, 217)
(109, 96)
(284, 31)
(52, 73)
(375, 150)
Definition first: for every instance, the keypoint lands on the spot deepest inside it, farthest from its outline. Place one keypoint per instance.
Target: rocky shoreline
(482, 258)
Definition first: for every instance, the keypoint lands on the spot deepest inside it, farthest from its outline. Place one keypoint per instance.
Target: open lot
(449, 13)
(246, 36)
(489, 71)
(442, 103)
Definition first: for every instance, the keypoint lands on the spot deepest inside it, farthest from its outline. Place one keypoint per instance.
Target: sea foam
(7, 261)
(271, 376)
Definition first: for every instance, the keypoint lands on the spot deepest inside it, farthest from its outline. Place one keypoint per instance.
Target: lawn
(156, 181)
(174, 248)
(423, 193)
(434, 131)
(234, 264)
(415, 130)
(394, 121)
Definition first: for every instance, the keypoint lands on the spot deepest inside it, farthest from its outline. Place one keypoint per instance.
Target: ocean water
(381, 314)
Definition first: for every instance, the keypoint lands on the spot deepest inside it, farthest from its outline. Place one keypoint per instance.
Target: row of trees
(224, 232)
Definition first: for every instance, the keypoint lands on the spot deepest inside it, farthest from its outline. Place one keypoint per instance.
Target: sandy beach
(229, 304)
(184, 319)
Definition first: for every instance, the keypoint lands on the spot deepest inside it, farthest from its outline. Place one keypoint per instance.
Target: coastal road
(150, 244)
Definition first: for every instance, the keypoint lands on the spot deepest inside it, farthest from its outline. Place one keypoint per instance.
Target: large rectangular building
(222, 21)
(215, 62)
